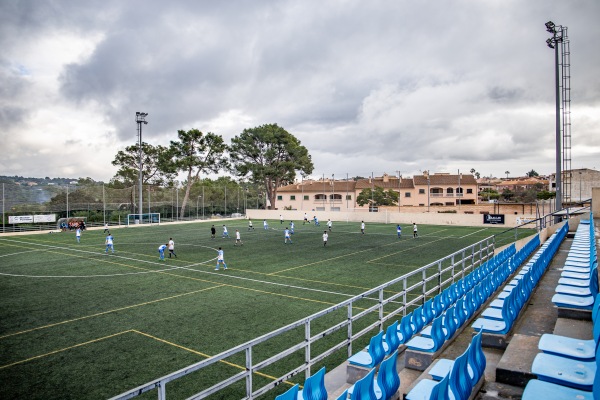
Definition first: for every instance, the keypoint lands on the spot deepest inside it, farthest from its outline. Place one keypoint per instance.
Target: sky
(368, 87)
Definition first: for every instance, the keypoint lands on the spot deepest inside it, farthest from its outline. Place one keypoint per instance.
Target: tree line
(266, 155)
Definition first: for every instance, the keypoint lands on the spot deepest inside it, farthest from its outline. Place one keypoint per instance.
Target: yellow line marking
(107, 312)
(139, 333)
(206, 355)
(63, 349)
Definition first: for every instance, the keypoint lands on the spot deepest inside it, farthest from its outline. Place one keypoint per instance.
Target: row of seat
(568, 368)
(578, 286)
(502, 312)
(463, 298)
(401, 332)
(453, 378)
(492, 275)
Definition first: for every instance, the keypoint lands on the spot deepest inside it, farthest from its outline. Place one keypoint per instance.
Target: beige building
(439, 189)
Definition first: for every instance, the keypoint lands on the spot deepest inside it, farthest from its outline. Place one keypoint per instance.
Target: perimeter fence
(98, 204)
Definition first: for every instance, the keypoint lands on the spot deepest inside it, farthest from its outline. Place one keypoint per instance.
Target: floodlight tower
(559, 40)
(140, 119)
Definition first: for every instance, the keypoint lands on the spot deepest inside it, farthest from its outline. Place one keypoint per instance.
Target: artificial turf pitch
(76, 323)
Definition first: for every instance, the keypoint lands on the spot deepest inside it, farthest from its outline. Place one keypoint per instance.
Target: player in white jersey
(329, 224)
(415, 233)
(238, 238)
(225, 233)
(362, 227)
(78, 235)
(325, 237)
(171, 247)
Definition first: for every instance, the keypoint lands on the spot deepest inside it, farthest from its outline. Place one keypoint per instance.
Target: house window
(279, 197)
(469, 191)
(306, 197)
(335, 196)
(407, 194)
(348, 197)
(320, 197)
(292, 197)
(421, 191)
(449, 191)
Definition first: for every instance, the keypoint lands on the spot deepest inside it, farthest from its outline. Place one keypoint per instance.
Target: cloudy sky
(367, 86)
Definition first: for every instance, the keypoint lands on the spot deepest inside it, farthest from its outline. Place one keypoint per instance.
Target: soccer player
(280, 219)
(172, 248)
(265, 225)
(286, 233)
(362, 227)
(306, 219)
(109, 243)
(213, 232)
(316, 221)
(225, 233)
(329, 224)
(238, 238)
(250, 227)
(292, 227)
(415, 234)
(399, 231)
(325, 237)
(161, 252)
(220, 259)
(78, 235)
(106, 228)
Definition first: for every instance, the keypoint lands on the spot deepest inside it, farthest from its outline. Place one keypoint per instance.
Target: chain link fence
(98, 204)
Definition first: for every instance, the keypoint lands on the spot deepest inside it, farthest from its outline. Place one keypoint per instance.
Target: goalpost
(147, 218)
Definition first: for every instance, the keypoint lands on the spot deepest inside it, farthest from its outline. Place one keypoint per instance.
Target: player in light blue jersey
(220, 259)
(109, 243)
(286, 234)
(161, 252)
(78, 235)
(292, 227)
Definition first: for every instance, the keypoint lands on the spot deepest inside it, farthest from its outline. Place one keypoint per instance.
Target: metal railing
(390, 300)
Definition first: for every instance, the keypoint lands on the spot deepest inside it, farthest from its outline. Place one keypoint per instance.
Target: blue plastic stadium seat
(291, 394)
(570, 347)
(365, 388)
(564, 371)
(391, 340)
(432, 344)
(536, 390)
(405, 330)
(314, 387)
(373, 356)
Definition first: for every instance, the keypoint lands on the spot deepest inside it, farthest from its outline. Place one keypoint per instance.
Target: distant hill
(20, 180)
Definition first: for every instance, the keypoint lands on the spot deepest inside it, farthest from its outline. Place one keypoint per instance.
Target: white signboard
(20, 219)
(44, 218)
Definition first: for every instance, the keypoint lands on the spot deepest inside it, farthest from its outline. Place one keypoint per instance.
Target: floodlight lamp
(550, 26)
(550, 43)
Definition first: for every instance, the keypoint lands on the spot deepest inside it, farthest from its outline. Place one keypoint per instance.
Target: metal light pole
(557, 33)
(140, 119)
(428, 191)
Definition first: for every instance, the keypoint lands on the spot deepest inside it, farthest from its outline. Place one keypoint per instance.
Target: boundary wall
(386, 217)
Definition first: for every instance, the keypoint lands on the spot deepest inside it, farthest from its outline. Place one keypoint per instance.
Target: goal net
(148, 218)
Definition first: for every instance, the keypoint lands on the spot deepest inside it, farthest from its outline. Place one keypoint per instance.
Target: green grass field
(79, 324)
